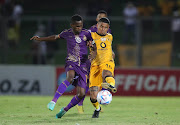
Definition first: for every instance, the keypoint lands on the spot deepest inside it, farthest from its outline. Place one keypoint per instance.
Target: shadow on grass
(67, 118)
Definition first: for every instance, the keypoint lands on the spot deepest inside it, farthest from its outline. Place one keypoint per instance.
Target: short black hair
(104, 20)
(102, 11)
(75, 18)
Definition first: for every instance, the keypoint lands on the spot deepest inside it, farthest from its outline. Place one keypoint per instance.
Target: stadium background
(153, 27)
(146, 65)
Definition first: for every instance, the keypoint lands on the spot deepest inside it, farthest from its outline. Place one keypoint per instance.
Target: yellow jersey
(104, 48)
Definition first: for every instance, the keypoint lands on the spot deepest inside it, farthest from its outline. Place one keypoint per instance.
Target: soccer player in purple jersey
(76, 62)
(93, 28)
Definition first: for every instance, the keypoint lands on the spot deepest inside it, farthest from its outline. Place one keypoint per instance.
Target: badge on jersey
(78, 39)
(103, 39)
(84, 38)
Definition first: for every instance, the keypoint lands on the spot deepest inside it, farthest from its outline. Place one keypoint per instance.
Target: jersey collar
(100, 34)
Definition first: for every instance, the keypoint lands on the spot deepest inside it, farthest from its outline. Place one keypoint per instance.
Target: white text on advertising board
(148, 83)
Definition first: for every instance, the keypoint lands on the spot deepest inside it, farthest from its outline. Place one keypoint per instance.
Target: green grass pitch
(28, 110)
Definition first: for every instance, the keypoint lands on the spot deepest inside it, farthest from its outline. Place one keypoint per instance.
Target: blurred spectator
(130, 13)
(166, 6)
(146, 9)
(176, 31)
(16, 15)
(178, 6)
(11, 34)
(39, 48)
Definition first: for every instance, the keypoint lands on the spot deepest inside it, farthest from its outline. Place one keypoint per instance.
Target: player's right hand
(35, 38)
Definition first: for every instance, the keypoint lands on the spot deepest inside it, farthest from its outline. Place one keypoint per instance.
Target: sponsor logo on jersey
(103, 45)
(103, 39)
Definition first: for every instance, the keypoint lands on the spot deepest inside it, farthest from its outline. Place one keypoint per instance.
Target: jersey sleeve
(93, 28)
(63, 34)
(89, 37)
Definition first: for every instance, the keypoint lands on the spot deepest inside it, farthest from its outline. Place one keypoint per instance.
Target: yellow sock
(110, 80)
(96, 105)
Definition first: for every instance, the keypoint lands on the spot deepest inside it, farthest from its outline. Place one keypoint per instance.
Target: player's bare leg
(108, 81)
(93, 97)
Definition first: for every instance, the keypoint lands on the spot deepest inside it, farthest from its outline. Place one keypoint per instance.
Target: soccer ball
(104, 97)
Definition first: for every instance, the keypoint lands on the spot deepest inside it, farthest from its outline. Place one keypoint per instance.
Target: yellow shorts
(95, 77)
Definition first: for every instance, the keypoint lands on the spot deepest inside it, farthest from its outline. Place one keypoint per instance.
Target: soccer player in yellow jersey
(102, 64)
(93, 28)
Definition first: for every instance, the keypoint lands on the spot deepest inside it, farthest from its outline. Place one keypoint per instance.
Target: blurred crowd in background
(18, 33)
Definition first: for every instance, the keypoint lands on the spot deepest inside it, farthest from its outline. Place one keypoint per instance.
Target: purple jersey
(76, 46)
(94, 29)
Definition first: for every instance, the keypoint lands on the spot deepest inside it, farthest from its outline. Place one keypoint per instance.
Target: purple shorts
(80, 78)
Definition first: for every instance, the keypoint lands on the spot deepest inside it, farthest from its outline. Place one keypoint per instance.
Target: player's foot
(61, 113)
(51, 105)
(80, 109)
(109, 87)
(96, 113)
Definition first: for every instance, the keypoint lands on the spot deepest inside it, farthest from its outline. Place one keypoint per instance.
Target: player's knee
(93, 97)
(93, 100)
(81, 95)
(70, 78)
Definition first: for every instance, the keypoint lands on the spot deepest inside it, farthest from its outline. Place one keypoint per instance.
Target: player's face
(102, 28)
(77, 27)
(99, 16)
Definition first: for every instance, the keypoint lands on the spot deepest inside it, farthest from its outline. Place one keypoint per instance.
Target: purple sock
(81, 102)
(61, 89)
(75, 100)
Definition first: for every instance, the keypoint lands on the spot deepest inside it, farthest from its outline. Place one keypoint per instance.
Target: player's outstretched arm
(49, 38)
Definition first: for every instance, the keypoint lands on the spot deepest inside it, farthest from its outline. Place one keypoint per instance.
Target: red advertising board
(147, 82)
(141, 82)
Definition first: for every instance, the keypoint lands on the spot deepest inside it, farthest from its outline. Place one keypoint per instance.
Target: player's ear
(96, 19)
